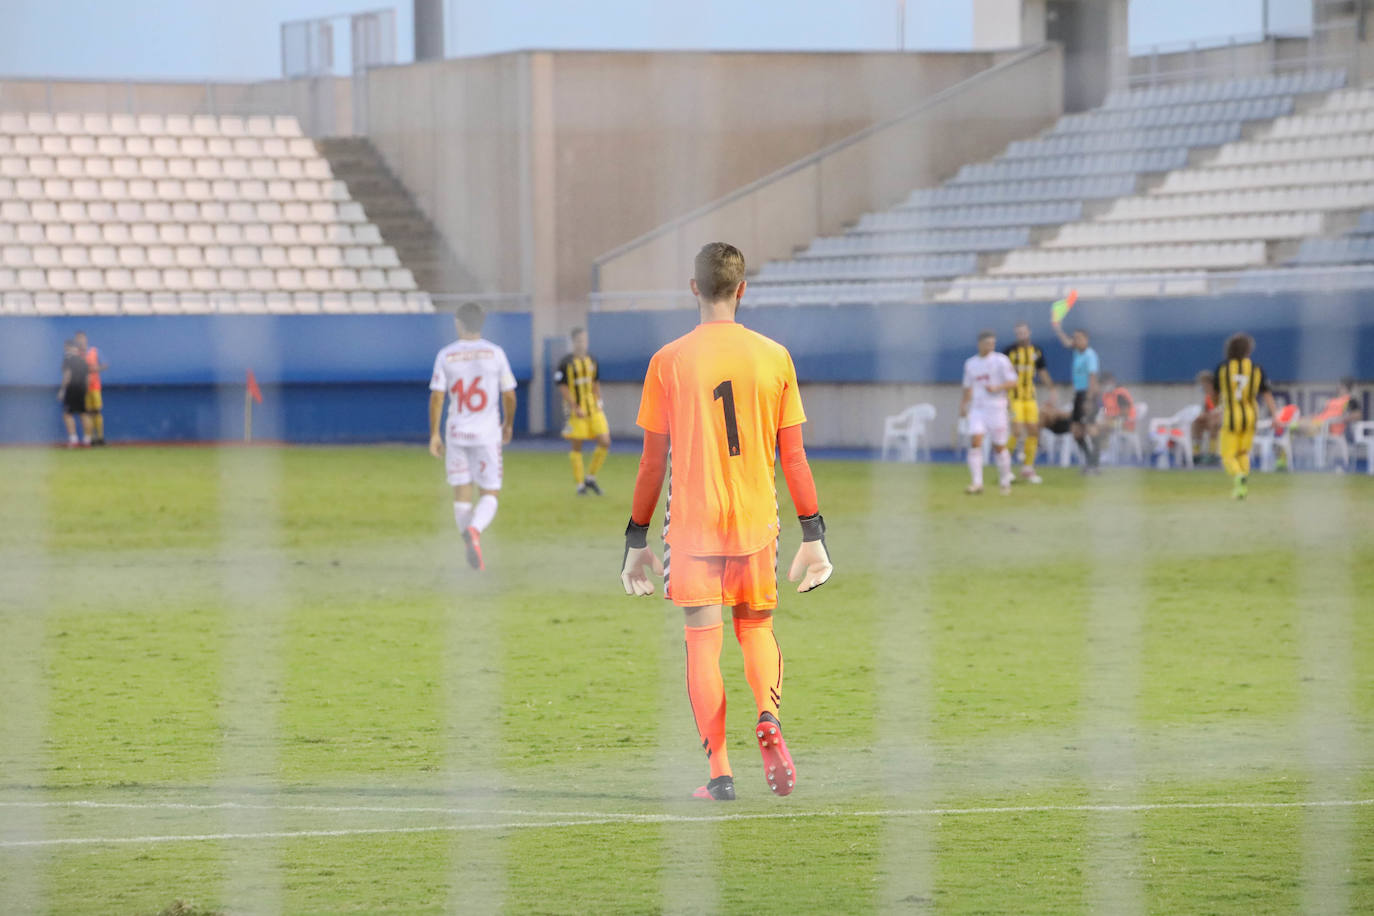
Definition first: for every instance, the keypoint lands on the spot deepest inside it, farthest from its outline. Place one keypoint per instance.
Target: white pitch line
(328, 809)
(612, 818)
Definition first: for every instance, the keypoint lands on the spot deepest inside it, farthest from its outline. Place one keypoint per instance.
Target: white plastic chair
(1131, 441)
(1124, 444)
(1059, 448)
(907, 432)
(1266, 445)
(1363, 434)
(1328, 445)
(1162, 432)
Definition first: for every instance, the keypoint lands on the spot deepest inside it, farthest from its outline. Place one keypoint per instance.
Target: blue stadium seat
(1033, 214)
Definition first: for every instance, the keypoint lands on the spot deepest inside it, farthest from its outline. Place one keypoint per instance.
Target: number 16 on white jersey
(473, 373)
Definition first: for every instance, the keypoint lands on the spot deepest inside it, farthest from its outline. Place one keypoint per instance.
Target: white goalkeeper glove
(639, 561)
(812, 563)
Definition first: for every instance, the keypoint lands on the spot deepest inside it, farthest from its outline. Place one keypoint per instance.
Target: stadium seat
(47, 303)
(334, 302)
(105, 303)
(17, 303)
(134, 303)
(303, 301)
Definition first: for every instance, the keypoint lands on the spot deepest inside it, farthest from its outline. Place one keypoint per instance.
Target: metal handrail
(924, 105)
(926, 292)
(1316, 55)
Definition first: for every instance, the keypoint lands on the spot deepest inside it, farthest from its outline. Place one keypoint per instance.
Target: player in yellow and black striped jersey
(1239, 385)
(1029, 362)
(579, 380)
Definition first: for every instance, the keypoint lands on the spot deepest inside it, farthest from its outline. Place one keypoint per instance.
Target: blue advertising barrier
(325, 378)
(1299, 338)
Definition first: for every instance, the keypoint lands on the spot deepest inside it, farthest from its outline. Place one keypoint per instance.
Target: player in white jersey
(987, 379)
(476, 377)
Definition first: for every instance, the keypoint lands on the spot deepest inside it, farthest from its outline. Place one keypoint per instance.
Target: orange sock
(706, 691)
(762, 661)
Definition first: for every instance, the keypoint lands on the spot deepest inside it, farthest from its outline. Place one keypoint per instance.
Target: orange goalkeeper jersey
(721, 393)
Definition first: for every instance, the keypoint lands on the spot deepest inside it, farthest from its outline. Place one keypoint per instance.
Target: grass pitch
(262, 680)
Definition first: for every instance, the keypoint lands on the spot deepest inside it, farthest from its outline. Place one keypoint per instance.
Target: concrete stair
(389, 206)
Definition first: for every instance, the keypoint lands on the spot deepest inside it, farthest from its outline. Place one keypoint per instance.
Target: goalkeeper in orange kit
(723, 399)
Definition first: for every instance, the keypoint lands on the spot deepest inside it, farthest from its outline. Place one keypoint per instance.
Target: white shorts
(991, 422)
(473, 463)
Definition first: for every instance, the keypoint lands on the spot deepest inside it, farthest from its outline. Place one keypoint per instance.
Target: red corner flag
(250, 394)
(254, 391)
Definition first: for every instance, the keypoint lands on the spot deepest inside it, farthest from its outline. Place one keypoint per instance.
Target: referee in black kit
(72, 394)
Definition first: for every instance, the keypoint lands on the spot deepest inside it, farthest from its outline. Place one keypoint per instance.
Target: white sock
(72, 439)
(1004, 467)
(975, 465)
(484, 513)
(462, 514)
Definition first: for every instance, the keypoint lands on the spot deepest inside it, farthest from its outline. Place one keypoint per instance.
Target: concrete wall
(697, 126)
(456, 133)
(869, 171)
(611, 145)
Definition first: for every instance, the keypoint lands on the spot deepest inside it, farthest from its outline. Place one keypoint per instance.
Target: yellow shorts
(1025, 412)
(93, 401)
(1235, 444)
(589, 427)
(749, 581)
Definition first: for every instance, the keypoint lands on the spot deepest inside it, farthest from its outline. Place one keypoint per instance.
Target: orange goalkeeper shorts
(749, 581)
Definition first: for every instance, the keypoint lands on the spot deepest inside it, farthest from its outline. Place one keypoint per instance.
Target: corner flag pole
(251, 393)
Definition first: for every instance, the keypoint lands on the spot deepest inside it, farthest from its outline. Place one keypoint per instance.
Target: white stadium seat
(76, 303)
(173, 213)
(47, 303)
(391, 301)
(345, 278)
(134, 303)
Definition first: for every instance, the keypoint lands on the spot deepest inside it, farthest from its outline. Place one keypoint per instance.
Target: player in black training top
(72, 394)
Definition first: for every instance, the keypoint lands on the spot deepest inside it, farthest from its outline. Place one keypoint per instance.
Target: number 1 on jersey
(725, 393)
